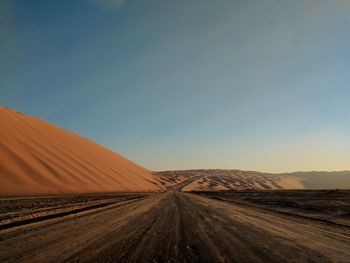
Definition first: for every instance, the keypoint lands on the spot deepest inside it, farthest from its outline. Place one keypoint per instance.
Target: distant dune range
(39, 158)
(217, 180)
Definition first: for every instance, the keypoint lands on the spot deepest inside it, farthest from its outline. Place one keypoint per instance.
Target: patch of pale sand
(37, 157)
(289, 182)
(257, 185)
(220, 187)
(200, 185)
(269, 184)
(195, 185)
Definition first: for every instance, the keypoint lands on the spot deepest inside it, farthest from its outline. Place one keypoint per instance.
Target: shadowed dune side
(39, 158)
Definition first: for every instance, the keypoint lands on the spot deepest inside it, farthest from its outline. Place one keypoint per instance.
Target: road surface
(176, 227)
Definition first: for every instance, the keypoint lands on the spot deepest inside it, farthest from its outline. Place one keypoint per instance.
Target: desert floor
(177, 227)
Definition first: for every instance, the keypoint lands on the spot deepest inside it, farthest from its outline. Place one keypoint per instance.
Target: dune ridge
(37, 157)
(221, 179)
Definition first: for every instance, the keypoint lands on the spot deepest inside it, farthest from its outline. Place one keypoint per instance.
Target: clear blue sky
(259, 85)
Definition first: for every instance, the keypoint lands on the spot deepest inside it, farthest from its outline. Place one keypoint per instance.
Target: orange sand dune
(39, 158)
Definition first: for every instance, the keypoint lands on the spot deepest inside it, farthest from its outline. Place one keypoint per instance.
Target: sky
(253, 85)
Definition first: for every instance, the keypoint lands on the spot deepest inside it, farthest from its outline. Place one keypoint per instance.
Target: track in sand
(175, 227)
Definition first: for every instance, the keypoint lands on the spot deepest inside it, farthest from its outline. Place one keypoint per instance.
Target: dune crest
(220, 179)
(37, 157)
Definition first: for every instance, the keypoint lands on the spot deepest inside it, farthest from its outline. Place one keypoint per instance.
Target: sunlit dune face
(39, 158)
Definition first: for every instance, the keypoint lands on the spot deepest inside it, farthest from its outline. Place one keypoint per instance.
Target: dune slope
(39, 158)
(219, 179)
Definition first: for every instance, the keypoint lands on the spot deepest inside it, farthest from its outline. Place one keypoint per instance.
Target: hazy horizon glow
(254, 85)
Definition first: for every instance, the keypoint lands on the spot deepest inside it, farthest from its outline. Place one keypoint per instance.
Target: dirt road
(176, 227)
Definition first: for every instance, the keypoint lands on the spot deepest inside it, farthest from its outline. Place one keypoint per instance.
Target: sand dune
(216, 180)
(39, 158)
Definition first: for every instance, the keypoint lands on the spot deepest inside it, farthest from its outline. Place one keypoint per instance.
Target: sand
(220, 180)
(182, 227)
(39, 158)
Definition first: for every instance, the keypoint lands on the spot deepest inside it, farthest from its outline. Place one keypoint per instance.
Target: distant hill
(216, 180)
(37, 157)
(323, 180)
